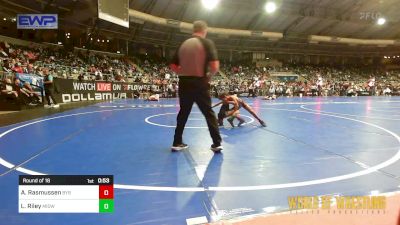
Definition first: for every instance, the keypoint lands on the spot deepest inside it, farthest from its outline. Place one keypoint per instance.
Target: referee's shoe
(216, 148)
(179, 147)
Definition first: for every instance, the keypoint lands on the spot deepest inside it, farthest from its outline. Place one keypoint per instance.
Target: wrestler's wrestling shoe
(179, 147)
(216, 148)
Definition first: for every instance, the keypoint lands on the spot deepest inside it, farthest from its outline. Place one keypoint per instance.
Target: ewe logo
(37, 21)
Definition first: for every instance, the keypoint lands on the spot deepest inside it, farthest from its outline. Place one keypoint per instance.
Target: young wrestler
(222, 112)
(235, 115)
(237, 104)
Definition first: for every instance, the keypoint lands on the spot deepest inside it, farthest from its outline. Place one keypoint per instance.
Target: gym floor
(312, 146)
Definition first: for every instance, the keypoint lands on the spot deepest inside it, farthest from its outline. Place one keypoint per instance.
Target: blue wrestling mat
(312, 146)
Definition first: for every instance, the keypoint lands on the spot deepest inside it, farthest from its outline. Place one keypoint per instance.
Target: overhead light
(59, 43)
(83, 46)
(4, 19)
(267, 58)
(385, 57)
(102, 40)
(381, 21)
(270, 7)
(118, 52)
(108, 40)
(91, 39)
(13, 19)
(210, 4)
(98, 40)
(68, 37)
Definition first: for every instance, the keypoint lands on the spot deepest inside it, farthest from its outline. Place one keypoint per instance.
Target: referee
(195, 61)
(49, 88)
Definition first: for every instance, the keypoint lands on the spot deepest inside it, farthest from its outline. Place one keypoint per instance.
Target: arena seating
(246, 80)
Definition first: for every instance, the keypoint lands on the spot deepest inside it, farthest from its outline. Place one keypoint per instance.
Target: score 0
(106, 198)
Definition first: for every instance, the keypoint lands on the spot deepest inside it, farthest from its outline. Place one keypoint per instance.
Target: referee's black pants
(49, 92)
(195, 90)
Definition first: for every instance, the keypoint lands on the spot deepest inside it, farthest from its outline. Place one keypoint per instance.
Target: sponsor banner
(30, 78)
(87, 86)
(35, 81)
(37, 21)
(285, 76)
(75, 91)
(103, 86)
(92, 97)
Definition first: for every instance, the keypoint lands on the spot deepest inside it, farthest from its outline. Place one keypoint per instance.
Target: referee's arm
(212, 56)
(214, 67)
(175, 63)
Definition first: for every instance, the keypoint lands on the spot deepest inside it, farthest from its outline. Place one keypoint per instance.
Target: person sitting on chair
(22, 94)
(32, 94)
(8, 90)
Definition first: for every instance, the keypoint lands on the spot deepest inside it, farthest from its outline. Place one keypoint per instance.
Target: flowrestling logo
(37, 21)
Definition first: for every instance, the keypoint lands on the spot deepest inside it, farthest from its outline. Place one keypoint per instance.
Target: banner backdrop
(30, 78)
(68, 90)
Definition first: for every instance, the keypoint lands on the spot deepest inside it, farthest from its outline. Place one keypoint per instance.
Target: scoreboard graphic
(66, 194)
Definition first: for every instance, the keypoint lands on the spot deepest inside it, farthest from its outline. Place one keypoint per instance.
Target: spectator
(17, 68)
(8, 91)
(80, 77)
(387, 91)
(32, 94)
